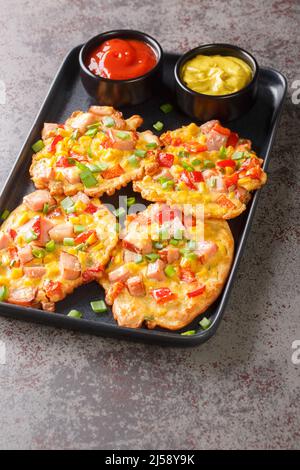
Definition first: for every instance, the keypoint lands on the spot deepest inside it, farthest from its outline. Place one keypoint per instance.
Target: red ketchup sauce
(122, 59)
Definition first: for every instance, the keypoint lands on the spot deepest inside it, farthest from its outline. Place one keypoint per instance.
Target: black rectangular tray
(67, 95)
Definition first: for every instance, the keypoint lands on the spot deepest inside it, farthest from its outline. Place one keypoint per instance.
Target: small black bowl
(223, 107)
(120, 92)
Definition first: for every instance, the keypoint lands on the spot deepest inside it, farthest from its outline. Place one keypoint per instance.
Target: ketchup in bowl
(122, 59)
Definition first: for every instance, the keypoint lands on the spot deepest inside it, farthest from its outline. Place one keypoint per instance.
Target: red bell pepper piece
(196, 292)
(54, 142)
(195, 147)
(225, 202)
(224, 163)
(197, 176)
(92, 273)
(82, 238)
(221, 130)
(231, 180)
(36, 226)
(130, 246)
(166, 216)
(166, 159)
(163, 295)
(187, 275)
(64, 162)
(113, 172)
(185, 177)
(12, 233)
(53, 289)
(232, 139)
(91, 209)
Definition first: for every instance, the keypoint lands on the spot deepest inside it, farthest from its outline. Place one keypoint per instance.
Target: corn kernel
(16, 273)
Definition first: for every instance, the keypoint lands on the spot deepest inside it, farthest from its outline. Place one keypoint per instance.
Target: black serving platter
(67, 95)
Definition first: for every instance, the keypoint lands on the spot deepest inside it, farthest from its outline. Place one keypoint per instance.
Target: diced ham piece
(4, 240)
(136, 286)
(61, 231)
(207, 126)
(35, 201)
(23, 296)
(121, 143)
(170, 254)
(46, 226)
(34, 272)
(135, 241)
(119, 274)
(156, 270)
(82, 120)
(215, 140)
(42, 171)
(48, 306)
(129, 256)
(70, 266)
(49, 130)
(102, 110)
(82, 197)
(71, 174)
(134, 122)
(206, 248)
(25, 254)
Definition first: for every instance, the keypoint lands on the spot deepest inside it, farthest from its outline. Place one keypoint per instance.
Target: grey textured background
(239, 390)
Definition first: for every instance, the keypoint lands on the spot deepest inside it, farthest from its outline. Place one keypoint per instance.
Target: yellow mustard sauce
(216, 74)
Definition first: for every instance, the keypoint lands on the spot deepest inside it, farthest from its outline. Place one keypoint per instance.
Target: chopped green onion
(187, 167)
(95, 168)
(108, 121)
(67, 203)
(71, 161)
(168, 184)
(50, 246)
(103, 166)
(138, 259)
(183, 154)
(133, 161)
(237, 155)
(222, 152)
(196, 162)
(170, 271)
(3, 293)
(191, 256)
(208, 164)
(163, 179)
(174, 242)
(5, 214)
(46, 208)
(163, 233)
(30, 236)
(152, 256)
(98, 306)
(92, 132)
(205, 323)
(119, 212)
(212, 182)
(69, 241)
(75, 314)
(178, 234)
(80, 247)
(75, 135)
(117, 227)
(158, 126)
(38, 146)
(158, 246)
(87, 178)
(38, 253)
(151, 145)
(123, 135)
(95, 124)
(166, 108)
(140, 153)
(130, 201)
(188, 333)
(79, 228)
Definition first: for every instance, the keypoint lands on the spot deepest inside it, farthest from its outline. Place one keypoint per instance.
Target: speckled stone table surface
(66, 390)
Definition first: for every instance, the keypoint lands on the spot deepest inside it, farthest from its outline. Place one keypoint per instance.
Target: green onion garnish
(30, 236)
(168, 184)
(152, 256)
(119, 212)
(75, 135)
(94, 168)
(87, 178)
(174, 242)
(138, 259)
(79, 228)
(95, 124)
(140, 153)
(3, 293)
(69, 241)
(151, 145)
(50, 246)
(92, 132)
(98, 306)
(133, 161)
(192, 245)
(183, 154)
(187, 167)
(158, 126)
(222, 152)
(38, 146)
(46, 208)
(5, 214)
(108, 121)
(158, 246)
(205, 323)
(196, 162)
(170, 271)
(178, 234)
(130, 201)
(75, 314)
(237, 155)
(163, 233)
(38, 253)
(67, 204)
(208, 164)
(123, 135)
(188, 333)
(81, 247)
(166, 108)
